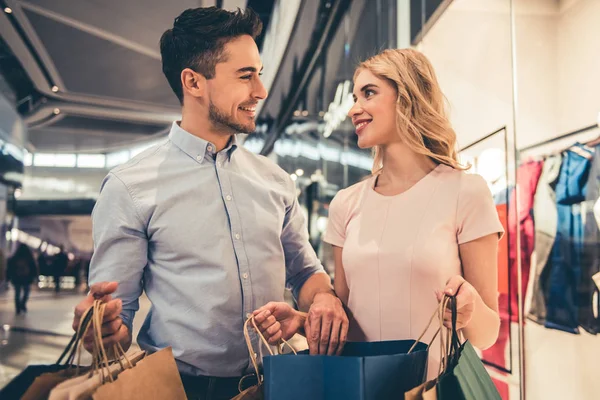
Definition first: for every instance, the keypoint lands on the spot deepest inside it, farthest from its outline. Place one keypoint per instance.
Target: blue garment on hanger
(567, 251)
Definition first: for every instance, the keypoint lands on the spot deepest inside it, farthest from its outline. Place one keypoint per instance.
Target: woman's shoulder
(351, 196)
(464, 183)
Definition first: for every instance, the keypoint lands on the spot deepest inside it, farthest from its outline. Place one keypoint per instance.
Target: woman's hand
(466, 297)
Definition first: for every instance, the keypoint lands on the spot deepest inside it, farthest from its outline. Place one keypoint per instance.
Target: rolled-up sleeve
(120, 245)
(301, 261)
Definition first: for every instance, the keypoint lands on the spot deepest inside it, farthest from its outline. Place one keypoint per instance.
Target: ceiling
(86, 75)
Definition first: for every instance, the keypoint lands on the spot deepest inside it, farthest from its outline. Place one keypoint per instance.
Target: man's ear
(193, 83)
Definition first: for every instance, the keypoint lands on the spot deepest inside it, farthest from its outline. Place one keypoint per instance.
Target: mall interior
(82, 92)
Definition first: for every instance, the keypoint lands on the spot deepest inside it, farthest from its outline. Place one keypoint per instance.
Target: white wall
(470, 50)
(578, 64)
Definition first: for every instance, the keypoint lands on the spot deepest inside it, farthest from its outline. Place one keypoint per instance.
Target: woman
(419, 226)
(21, 272)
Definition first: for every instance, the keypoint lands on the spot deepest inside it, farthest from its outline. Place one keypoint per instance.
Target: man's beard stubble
(222, 120)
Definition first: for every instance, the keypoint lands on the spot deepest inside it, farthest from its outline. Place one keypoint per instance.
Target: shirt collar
(196, 147)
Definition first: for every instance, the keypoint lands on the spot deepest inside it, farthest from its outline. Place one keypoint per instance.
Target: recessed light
(8, 10)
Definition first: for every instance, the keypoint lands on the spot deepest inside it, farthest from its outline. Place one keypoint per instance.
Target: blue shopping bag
(364, 371)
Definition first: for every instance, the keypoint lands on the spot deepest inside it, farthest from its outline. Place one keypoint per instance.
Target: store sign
(338, 109)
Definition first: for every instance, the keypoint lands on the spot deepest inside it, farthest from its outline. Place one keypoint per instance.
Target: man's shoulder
(142, 162)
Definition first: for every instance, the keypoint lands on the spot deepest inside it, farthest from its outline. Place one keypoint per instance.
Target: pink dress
(397, 250)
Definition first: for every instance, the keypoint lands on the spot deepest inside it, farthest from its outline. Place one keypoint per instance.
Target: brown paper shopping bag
(102, 370)
(154, 377)
(426, 391)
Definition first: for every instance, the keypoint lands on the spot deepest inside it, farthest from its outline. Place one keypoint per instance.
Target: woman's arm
(339, 280)
(477, 299)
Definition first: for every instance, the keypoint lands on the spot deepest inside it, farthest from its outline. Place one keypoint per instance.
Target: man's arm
(116, 268)
(326, 325)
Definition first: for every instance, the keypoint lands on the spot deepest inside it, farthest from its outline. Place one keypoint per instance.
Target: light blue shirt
(210, 237)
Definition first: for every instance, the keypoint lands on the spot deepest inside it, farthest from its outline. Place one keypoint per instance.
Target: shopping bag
(102, 370)
(154, 377)
(364, 371)
(426, 391)
(36, 381)
(464, 376)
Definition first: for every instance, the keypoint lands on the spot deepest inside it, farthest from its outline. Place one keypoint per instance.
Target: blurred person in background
(21, 272)
(60, 262)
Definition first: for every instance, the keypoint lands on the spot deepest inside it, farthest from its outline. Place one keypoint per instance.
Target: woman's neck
(402, 166)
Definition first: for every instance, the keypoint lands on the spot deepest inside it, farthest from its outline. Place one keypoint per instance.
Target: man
(207, 229)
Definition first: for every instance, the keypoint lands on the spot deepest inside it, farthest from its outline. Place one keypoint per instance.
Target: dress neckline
(414, 187)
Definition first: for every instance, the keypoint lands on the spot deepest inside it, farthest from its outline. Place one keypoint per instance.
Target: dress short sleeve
(335, 233)
(476, 212)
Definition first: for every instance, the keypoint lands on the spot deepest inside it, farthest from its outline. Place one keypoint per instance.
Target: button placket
(238, 247)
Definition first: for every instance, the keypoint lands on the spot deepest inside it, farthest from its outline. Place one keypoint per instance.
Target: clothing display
(546, 220)
(591, 252)
(528, 176)
(397, 250)
(567, 252)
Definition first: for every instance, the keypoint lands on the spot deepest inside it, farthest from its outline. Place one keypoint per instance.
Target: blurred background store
(82, 91)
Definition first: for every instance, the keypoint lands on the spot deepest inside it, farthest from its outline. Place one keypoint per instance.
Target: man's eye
(247, 77)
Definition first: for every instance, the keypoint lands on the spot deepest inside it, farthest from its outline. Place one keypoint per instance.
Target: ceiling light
(56, 111)
(18, 193)
(294, 177)
(8, 10)
(299, 172)
(305, 113)
(55, 89)
(297, 113)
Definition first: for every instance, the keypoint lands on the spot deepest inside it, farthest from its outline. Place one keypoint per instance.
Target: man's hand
(327, 325)
(113, 330)
(277, 320)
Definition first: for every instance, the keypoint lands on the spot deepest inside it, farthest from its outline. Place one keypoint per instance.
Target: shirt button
(209, 148)
(199, 158)
(245, 276)
(228, 197)
(237, 236)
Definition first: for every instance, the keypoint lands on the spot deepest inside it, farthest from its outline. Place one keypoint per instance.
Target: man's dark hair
(198, 38)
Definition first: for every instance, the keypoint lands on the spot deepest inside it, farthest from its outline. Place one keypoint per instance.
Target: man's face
(236, 88)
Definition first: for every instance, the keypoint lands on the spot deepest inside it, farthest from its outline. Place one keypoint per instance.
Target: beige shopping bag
(102, 371)
(154, 377)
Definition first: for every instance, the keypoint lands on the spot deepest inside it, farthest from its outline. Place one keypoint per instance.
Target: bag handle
(449, 339)
(72, 347)
(253, 355)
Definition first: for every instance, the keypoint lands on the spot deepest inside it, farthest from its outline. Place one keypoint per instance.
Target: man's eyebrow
(249, 69)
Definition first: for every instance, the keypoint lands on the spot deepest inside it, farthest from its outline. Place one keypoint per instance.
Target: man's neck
(202, 129)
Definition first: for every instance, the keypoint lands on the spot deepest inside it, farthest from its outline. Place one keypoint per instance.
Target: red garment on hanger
(528, 175)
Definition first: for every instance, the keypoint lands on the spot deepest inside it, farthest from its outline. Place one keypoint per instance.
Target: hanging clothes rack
(561, 137)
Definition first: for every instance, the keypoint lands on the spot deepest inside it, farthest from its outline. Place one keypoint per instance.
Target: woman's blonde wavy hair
(421, 115)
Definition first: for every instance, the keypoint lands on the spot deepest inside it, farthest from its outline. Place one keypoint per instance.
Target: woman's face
(374, 110)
